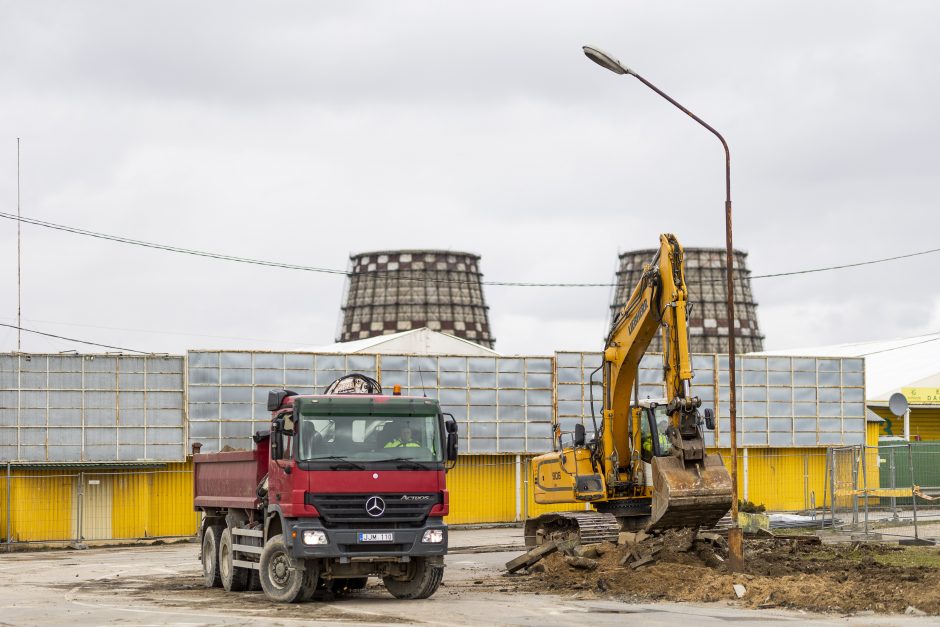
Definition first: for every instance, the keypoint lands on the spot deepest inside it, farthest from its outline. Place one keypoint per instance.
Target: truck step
(245, 548)
(253, 533)
(245, 564)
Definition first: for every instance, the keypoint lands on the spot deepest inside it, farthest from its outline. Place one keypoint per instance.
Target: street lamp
(735, 537)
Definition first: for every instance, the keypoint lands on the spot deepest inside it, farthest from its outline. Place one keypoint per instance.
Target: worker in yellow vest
(406, 438)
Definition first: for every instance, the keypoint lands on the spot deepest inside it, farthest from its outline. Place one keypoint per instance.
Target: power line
(894, 348)
(178, 333)
(72, 339)
(174, 249)
(291, 266)
(848, 265)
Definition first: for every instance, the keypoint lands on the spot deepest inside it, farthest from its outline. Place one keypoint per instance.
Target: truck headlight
(433, 536)
(312, 536)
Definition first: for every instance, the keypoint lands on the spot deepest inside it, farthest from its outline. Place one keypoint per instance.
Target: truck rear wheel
(421, 581)
(283, 578)
(234, 578)
(210, 556)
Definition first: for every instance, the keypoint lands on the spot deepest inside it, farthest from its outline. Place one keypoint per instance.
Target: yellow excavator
(646, 467)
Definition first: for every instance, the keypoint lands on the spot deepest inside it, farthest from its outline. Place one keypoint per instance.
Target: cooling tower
(708, 293)
(397, 290)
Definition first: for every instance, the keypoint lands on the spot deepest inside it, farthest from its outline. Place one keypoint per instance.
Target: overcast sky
(301, 132)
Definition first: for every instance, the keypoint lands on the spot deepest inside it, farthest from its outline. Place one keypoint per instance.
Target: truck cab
(354, 486)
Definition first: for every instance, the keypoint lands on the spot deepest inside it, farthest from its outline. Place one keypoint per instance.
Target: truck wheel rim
(223, 561)
(208, 552)
(280, 569)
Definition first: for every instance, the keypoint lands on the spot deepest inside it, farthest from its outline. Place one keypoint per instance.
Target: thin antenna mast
(19, 287)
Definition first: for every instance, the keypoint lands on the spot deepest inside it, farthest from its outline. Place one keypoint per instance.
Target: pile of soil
(784, 573)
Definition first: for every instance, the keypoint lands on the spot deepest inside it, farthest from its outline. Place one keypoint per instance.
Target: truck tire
(423, 580)
(234, 578)
(210, 556)
(283, 578)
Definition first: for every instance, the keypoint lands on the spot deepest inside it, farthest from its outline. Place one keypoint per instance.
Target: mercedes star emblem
(375, 506)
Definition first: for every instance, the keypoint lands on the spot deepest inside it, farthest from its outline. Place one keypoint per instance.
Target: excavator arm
(689, 487)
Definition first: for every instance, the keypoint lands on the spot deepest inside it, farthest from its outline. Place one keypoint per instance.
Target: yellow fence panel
(171, 511)
(482, 489)
(132, 503)
(780, 479)
(42, 506)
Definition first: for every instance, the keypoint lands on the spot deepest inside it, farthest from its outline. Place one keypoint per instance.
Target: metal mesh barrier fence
(889, 492)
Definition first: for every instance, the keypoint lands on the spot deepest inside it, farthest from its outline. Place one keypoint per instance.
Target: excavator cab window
(653, 432)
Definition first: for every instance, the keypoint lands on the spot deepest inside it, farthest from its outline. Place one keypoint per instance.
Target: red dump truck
(342, 487)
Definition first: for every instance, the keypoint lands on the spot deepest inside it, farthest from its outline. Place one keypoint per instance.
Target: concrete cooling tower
(398, 290)
(708, 293)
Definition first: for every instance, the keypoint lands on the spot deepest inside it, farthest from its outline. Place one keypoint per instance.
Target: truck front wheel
(283, 578)
(421, 580)
(234, 578)
(210, 556)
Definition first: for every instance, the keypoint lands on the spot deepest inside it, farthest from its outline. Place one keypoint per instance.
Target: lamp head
(606, 61)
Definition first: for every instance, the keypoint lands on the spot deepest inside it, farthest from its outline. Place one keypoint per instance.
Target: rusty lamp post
(735, 534)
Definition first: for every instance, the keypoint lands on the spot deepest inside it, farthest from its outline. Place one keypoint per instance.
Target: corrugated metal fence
(72, 506)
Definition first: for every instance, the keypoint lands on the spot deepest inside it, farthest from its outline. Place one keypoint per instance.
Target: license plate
(376, 537)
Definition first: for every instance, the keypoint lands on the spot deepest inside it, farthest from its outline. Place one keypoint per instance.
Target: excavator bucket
(697, 494)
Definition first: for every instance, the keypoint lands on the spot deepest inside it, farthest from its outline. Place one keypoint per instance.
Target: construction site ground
(833, 584)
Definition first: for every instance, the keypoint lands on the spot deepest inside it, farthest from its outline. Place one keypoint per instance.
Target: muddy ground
(780, 573)
(188, 591)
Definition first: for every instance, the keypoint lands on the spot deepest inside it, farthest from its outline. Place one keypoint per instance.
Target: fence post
(865, 484)
(79, 532)
(822, 519)
(746, 481)
(832, 485)
(910, 461)
(894, 485)
(525, 483)
(518, 487)
(854, 489)
(806, 503)
(9, 520)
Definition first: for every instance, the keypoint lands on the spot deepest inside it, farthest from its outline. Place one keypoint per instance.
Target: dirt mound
(786, 573)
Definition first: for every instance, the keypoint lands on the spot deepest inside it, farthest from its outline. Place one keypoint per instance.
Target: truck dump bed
(230, 479)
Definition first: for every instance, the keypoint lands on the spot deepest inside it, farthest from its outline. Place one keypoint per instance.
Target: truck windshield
(371, 438)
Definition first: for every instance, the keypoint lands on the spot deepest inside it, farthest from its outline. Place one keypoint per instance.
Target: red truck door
(280, 466)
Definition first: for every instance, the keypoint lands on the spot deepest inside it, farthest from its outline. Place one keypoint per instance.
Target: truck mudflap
(367, 543)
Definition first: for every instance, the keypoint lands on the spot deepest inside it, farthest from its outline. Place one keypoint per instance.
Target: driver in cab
(662, 438)
(405, 438)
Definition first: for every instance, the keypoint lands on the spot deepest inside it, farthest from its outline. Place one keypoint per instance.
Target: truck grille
(400, 510)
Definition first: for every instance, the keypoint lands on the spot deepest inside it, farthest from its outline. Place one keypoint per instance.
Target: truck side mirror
(579, 435)
(450, 427)
(709, 419)
(277, 450)
(275, 398)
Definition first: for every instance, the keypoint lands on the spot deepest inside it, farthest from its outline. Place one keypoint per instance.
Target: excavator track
(587, 527)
